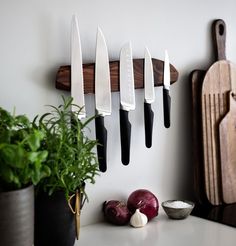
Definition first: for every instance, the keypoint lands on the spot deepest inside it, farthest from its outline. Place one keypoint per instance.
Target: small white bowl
(177, 209)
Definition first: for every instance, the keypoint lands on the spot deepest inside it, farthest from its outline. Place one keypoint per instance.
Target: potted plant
(73, 162)
(20, 168)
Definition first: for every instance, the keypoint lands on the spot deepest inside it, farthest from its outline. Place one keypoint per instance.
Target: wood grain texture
(63, 81)
(227, 130)
(218, 81)
(210, 103)
(196, 80)
(216, 85)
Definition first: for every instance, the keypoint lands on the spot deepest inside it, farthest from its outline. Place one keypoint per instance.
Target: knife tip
(147, 52)
(74, 24)
(166, 54)
(126, 46)
(99, 30)
(146, 49)
(74, 18)
(100, 34)
(130, 44)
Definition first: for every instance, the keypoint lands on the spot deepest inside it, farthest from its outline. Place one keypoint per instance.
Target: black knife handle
(125, 134)
(101, 135)
(148, 123)
(166, 105)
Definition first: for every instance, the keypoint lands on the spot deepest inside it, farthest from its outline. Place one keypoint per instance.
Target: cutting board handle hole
(221, 29)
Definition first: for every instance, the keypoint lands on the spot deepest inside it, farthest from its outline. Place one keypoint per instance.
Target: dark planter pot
(54, 221)
(17, 217)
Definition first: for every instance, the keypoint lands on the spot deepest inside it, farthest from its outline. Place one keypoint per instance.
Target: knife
(149, 97)
(77, 80)
(127, 100)
(166, 92)
(102, 97)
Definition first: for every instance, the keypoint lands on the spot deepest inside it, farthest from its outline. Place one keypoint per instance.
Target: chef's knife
(149, 97)
(166, 92)
(102, 98)
(127, 100)
(77, 80)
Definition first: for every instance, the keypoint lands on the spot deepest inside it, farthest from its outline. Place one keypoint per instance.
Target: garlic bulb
(138, 219)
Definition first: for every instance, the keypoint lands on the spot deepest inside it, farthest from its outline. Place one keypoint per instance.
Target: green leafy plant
(70, 152)
(20, 155)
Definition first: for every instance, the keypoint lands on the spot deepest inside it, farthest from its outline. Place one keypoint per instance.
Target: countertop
(161, 231)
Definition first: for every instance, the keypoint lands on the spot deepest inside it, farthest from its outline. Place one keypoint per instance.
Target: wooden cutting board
(214, 104)
(227, 130)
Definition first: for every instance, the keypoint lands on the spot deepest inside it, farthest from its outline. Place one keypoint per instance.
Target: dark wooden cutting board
(196, 79)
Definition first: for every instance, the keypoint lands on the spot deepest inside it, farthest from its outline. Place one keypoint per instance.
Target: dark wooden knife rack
(63, 77)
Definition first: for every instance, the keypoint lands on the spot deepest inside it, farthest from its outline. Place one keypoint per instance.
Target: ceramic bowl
(177, 209)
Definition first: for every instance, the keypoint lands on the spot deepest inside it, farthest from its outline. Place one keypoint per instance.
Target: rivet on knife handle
(125, 134)
(101, 135)
(167, 105)
(148, 121)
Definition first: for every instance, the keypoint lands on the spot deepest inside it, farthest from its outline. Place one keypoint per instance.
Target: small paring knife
(166, 92)
(149, 97)
(127, 100)
(102, 98)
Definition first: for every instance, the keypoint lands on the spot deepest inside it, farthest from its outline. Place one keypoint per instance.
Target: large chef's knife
(127, 100)
(102, 97)
(77, 80)
(149, 97)
(166, 92)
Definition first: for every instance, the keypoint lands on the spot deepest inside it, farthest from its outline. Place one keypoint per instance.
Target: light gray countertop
(161, 231)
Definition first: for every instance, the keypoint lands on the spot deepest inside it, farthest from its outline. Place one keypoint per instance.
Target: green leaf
(34, 140)
(6, 173)
(13, 155)
(45, 171)
(8, 176)
(35, 176)
(39, 156)
(22, 120)
(6, 118)
(5, 136)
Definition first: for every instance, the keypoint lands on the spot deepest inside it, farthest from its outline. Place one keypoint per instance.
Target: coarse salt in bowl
(177, 209)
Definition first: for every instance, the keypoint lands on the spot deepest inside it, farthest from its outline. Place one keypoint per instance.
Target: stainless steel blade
(102, 77)
(127, 94)
(77, 80)
(149, 93)
(166, 72)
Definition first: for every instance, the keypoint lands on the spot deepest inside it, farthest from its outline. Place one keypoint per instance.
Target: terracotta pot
(17, 217)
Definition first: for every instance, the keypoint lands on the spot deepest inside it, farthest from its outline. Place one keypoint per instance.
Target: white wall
(34, 42)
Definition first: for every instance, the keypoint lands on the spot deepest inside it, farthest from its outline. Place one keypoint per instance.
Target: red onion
(116, 212)
(146, 201)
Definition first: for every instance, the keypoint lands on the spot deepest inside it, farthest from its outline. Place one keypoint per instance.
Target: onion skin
(116, 212)
(145, 201)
